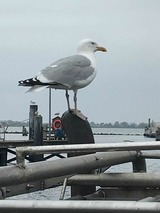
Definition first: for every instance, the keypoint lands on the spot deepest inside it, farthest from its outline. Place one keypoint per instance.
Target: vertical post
(45, 129)
(3, 157)
(158, 134)
(50, 106)
(35, 131)
(78, 131)
(24, 131)
(32, 112)
(3, 151)
(139, 165)
(38, 137)
(149, 122)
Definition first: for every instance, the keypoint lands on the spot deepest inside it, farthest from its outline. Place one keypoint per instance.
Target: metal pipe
(122, 146)
(50, 111)
(151, 199)
(117, 179)
(63, 189)
(11, 175)
(37, 206)
(150, 155)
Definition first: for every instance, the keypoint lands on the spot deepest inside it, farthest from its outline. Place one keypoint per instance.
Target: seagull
(70, 73)
(32, 102)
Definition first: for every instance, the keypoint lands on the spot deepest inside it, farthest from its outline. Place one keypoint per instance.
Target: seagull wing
(70, 71)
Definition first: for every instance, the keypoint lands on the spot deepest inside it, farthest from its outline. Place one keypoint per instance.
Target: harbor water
(102, 135)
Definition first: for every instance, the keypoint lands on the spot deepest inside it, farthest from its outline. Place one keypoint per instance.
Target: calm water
(128, 135)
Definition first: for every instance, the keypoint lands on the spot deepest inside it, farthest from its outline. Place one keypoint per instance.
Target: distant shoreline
(117, 124)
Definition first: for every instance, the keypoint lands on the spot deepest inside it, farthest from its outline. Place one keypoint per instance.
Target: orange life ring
(57, 124)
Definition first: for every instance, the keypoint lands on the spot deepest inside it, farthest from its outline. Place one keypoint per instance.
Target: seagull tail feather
(36, 88)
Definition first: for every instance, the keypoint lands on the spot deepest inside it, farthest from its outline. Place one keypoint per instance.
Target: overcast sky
(35, 33)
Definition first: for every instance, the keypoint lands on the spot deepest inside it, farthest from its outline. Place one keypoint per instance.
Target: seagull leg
(76, 111)
(68, 104)
(75, 101)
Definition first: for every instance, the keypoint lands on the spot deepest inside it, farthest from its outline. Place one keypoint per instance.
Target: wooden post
(38, 137)
(32, 112)
(24, 131)
(45, 131)
(3, 157)
(35, 131)
(158, 134)
(78, 131)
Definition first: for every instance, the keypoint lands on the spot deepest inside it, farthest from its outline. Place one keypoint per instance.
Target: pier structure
(82, 165)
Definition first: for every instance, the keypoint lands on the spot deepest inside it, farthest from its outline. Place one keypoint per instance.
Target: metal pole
(50, 111)
(150, 155)
(99, 147)
(63, 189)
(116, 179)
(22, 151)
(10, 206)
(11, 175)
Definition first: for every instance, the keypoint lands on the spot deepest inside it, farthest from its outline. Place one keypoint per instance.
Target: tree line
(118, 124)
(5, 123)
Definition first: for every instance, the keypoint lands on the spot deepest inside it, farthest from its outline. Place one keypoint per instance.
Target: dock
(80, 164)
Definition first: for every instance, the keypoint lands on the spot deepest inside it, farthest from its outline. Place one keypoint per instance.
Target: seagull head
(88, 45)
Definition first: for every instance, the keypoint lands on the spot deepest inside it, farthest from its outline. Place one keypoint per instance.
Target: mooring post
(32, 112)
(3, 157)
(38, 137)
(78, 131)
(158, 134)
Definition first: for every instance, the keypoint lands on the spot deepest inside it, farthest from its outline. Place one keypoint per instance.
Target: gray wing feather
(68, 71)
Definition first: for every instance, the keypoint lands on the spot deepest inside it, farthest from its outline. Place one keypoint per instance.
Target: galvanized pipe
(38, 206)
(63, 189)
(12, 175)
(151, 199)
(122, 146)
(117, 179)
(150, 155)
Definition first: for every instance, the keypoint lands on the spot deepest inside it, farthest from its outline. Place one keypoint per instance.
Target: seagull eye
(93, 43)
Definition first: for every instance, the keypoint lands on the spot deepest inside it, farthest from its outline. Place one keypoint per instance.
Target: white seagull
(70, 73)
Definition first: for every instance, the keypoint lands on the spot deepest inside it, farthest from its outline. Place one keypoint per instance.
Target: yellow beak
(101, 49)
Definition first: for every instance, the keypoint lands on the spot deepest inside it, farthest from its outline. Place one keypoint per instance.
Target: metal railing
(122, 146)
(36, 206)
(10, 175)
